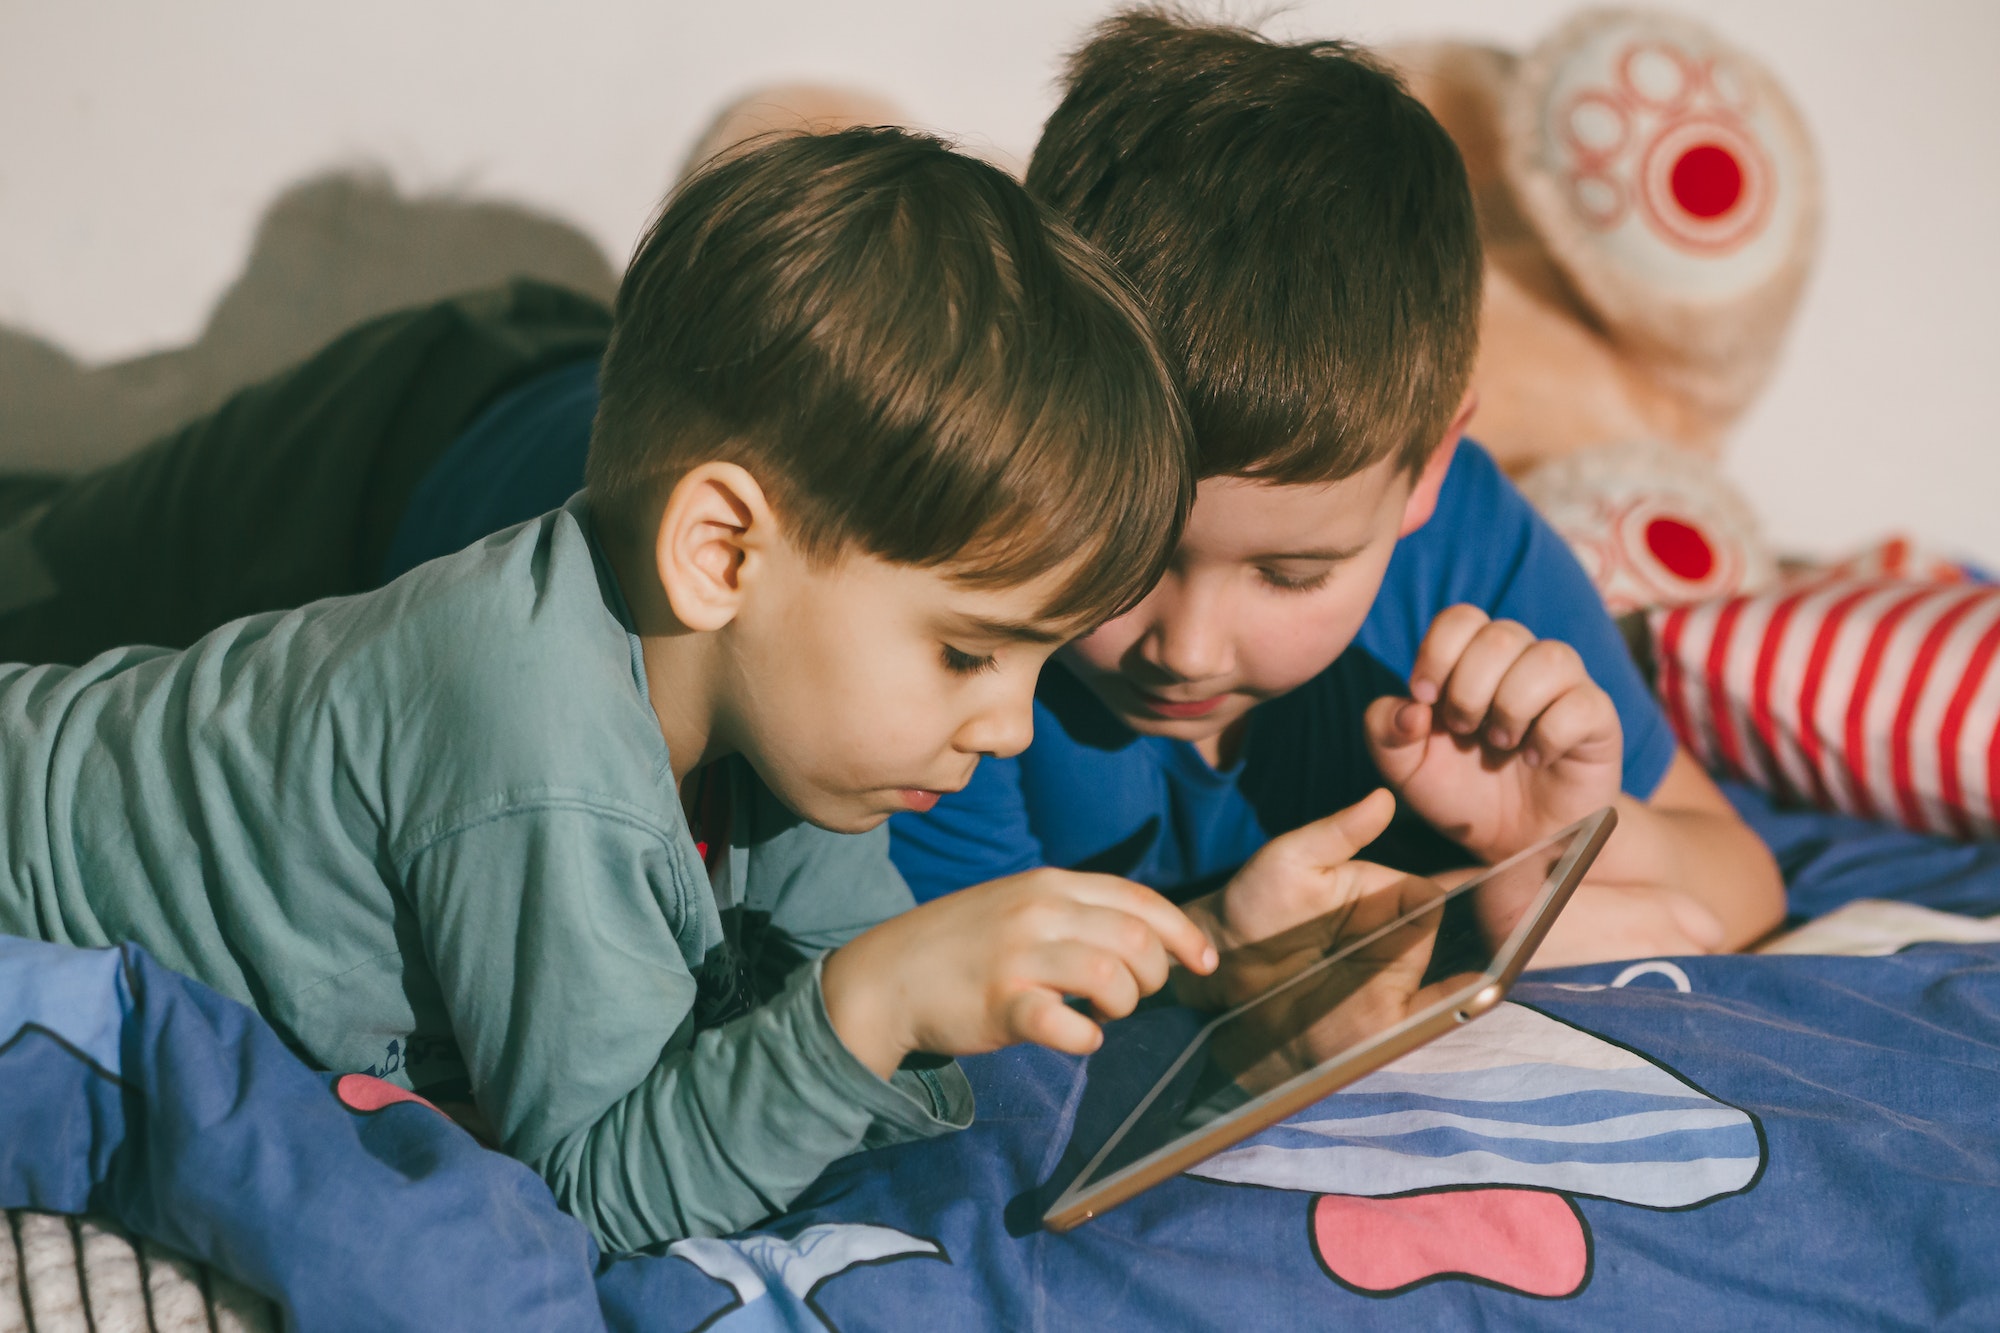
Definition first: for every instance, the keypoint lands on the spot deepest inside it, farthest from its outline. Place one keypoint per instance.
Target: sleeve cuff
(913, 1105)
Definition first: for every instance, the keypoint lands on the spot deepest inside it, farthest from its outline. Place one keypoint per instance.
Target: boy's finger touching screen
(1296, 877)
(1302, 895)
(993, 965)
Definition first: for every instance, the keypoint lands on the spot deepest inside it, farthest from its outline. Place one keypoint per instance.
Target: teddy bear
(1649, 201)
(1650, 205)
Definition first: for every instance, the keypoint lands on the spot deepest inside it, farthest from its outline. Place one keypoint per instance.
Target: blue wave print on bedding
(1515, 1099)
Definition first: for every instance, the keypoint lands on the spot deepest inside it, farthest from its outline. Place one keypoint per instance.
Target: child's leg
(288, 492)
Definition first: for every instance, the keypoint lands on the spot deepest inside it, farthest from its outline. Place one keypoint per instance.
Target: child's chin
(835, 812)
(853, 819)
(845, 818)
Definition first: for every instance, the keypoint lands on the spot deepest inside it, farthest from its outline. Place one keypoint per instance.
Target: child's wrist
(1640, 852)
(858, 1015)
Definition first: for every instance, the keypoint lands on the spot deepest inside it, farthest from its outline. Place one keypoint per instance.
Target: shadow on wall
(330, 252)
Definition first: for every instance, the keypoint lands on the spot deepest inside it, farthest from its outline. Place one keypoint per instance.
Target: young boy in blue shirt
(575, 824)
(1359, 598)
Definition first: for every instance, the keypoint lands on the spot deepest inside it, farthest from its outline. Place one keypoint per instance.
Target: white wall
(140, 143)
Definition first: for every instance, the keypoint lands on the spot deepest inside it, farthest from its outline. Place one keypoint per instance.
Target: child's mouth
(917, 798)
(1152, 703)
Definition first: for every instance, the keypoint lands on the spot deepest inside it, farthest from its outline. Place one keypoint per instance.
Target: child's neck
(683, 675)
(1225, 746)
(678, 672)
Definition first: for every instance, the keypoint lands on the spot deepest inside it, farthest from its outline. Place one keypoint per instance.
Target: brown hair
(1300, 226)
(911, 356)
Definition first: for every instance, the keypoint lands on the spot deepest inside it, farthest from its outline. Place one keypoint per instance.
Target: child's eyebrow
(1021, 630)
(1333, 554)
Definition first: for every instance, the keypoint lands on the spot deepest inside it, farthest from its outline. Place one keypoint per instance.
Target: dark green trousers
(287, 493)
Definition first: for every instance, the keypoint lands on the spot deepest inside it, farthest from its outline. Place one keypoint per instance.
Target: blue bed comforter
(1757, 1142)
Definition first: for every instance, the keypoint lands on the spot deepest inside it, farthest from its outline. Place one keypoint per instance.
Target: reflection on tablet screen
(1394, 954)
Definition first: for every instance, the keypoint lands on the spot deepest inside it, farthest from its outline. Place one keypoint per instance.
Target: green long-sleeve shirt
(431, 833)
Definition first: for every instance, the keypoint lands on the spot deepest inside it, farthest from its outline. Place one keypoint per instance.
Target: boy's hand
(991, 965)
(1290, 903)
(1504, 738)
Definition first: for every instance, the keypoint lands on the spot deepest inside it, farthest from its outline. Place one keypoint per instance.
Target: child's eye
(965, 664)
(1274, 579)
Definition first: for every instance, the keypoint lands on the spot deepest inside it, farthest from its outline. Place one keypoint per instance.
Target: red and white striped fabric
(1878, 697)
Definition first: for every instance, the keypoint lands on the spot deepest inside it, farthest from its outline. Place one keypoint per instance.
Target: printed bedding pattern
(1797, 1141)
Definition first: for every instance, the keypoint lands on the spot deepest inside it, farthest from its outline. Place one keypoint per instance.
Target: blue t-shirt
(1091, 794)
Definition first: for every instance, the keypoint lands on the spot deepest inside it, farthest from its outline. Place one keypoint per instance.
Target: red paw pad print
(1660, 130)
(1651, 526)
(1673, 156)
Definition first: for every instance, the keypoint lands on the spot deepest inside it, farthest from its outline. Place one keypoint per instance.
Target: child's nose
(1002, 730)
(1190, 638)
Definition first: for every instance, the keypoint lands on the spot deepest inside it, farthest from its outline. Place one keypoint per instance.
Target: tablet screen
(1385, 962)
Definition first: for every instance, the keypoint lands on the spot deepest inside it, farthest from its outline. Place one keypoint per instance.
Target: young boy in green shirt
(566, 824)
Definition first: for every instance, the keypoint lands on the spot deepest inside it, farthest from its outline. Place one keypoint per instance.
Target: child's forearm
(1688, 840)
(742, 1120)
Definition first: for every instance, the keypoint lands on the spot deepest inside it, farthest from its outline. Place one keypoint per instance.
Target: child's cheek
(1284, 646)
(1104, 648)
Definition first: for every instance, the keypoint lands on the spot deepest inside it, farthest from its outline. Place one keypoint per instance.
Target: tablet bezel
(1074, 1207)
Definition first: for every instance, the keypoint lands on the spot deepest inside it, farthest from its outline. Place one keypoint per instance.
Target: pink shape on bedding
(1530, 1241)
(367, 1094)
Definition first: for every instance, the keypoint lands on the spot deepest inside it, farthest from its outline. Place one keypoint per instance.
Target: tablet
(1401, 966)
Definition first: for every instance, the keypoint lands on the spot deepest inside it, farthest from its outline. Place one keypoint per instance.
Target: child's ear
(1423, 501)
(715, 525)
